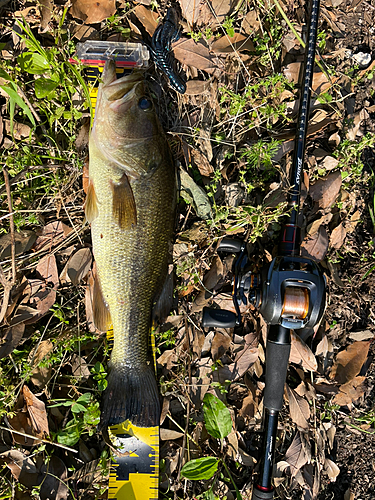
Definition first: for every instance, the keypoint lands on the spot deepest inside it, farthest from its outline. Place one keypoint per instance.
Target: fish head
(126, 124)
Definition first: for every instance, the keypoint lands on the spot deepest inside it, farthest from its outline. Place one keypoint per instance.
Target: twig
(7, 285)
(38, 439)
(11, 224)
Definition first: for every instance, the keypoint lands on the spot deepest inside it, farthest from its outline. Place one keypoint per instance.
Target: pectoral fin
(91, 205)
(102, 317)
(123, 204)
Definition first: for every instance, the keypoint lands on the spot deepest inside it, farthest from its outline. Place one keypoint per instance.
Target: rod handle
(277, 359)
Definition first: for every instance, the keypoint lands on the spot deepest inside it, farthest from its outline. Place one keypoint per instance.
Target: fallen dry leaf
(350, 392)
(22, 467)
(214, 274)
(11, 338)
(147, 17)
(37, 412)
(23, 240)
(40, 374)
(190, 10)
(79, 265)
(249, 406)
(338, 236)
(166, 434)
(193, 54)
(201, 162)
(250, 23)
(364, 335)
(348, 363)
(45, 8)
(331, 469)
(301, 354)
(315, 246)
(220, 344)
(295, 456)
(92, 12)
(299, 408)
(52, 234)
(320, 82)
(227, 44)
(325, 191)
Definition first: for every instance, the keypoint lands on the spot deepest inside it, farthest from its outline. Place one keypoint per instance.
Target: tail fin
(132, 394)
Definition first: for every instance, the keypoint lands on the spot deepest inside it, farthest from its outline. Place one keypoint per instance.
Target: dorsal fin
(91, 205)
(123, 205)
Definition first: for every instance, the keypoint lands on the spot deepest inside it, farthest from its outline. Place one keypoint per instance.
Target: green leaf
(44, 87)
(33, 63)
(77, 408)
(217, 417)
(201, 468)
(70, 435)
(4, 74)
(85, 398)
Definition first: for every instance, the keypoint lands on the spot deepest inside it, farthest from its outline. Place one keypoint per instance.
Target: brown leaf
(338, 236)
(220, 344)
(316, 246)
(197, 87)
(214, 275)
(190, 10)
(325, 191)
(79, 265)
(301, 354)
(248, 408)
(250, 23)
(92, 12)
(11, 338)
(295, 455)
(320, 82)
(243, 361)
(299, 408)
(24, 314)
(220, 9)
(147, 17)
(22, 467)
(348, 363)
(37, 412)
(167, 434)
(88, 303)
(331, 469)
(350, 392)
(52, 235)
(204, 166)
(40, 374)
(227, 44)
(45, 7)
(80, 368)
(193, 54)
(23, 240)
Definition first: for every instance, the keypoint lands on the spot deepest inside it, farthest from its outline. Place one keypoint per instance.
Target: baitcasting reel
(290, 293)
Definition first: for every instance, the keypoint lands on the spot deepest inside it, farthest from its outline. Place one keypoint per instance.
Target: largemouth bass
(131, 205)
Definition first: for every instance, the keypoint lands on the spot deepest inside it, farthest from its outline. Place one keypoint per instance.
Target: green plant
(329, 411)
(349, 154)
(86, 416)
(228, 26)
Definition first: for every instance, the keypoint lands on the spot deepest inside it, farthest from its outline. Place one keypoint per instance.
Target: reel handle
(230, 245)
(218, 318)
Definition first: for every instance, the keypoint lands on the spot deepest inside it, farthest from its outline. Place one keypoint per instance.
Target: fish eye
(144, 103)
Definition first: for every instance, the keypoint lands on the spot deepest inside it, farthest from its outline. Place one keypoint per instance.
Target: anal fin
(100, 310)
(123, 204)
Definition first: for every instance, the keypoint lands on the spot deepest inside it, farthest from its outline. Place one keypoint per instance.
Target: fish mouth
(121, 90)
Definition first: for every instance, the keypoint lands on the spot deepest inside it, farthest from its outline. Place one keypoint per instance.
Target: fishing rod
(290, 294)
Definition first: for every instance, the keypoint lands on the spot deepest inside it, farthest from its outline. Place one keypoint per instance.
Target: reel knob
(218, 318)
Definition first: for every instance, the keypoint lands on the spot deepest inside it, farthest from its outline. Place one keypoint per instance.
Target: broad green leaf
(70, 435)
(4, 74)
(217, 417)
(77, 408)
(85, 398)
(44, 87)
(201, 468)
(33, 63)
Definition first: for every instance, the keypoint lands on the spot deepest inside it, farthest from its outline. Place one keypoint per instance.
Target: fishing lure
(164, 35)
